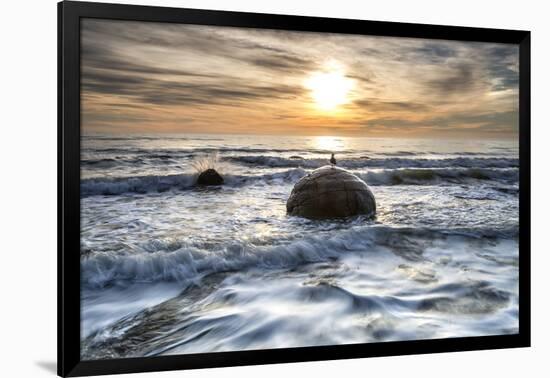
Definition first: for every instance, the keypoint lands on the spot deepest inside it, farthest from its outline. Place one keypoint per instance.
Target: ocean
(171, 268)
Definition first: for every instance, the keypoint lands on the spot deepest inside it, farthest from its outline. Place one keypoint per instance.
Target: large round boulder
(330, 192)
(210, 177)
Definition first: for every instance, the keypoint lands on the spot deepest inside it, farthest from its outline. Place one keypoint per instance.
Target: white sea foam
(367, 292)
(189, 262)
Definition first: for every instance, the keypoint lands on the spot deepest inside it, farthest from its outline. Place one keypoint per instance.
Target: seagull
(332, 160)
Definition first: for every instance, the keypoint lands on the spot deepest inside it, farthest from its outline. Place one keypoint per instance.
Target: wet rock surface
(330, 192)
(210, 177)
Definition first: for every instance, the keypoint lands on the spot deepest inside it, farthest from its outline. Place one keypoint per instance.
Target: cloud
(221, 43)
(281, 62)
(108, 69)
(458, 79)
(374, 105)
(503, 67)
(96, 56)
(436, 52)
(158, 76)
(494, 123)
(167, 92)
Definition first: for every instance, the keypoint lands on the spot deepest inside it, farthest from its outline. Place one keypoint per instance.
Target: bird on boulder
(332, 160)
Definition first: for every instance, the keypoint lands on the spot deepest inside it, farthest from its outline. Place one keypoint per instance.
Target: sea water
(170, 268)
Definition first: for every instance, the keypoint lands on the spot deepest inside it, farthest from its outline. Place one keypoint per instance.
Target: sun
(329, 88)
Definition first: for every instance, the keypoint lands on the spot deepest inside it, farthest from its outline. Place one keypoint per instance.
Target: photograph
(247, 189)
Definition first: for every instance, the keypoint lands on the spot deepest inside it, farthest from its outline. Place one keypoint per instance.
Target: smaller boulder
(210, 177)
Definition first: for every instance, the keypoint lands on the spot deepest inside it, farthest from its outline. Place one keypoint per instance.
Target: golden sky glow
(149, 77)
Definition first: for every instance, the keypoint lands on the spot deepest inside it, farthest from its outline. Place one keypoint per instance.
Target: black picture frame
(69, 15)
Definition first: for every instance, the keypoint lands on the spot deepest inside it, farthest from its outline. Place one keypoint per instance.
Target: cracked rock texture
(330, 192)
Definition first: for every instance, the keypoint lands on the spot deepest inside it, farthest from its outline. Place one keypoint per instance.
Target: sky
(139, 77)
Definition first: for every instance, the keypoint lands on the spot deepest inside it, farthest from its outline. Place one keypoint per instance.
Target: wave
(110, 158)
(145, 137)
(388, 163)
(132, 161)
(412, 176)
(147, 184)
(187, 263)
(179, 152)
(138, 184)
(203, 317)
(159, 184)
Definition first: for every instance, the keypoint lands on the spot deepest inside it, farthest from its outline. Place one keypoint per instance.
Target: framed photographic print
(239, 188)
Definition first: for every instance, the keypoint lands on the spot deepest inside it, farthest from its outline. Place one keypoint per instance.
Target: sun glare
(329, 88)
(329, 143)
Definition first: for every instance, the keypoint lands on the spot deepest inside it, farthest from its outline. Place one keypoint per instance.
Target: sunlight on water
(329, 143)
